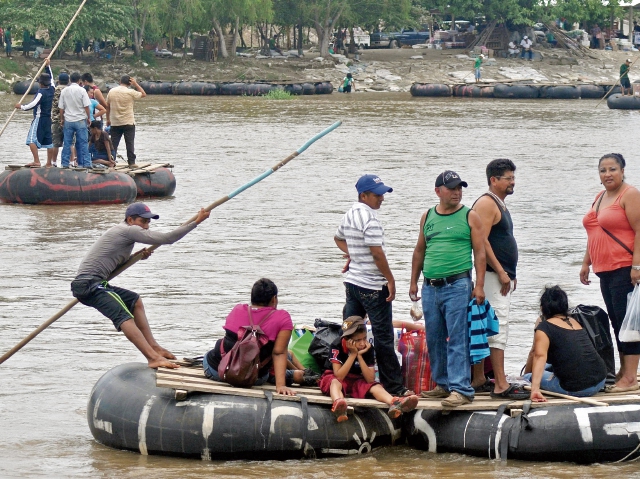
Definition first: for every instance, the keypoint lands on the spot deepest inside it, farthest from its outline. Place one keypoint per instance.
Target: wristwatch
(637, 268)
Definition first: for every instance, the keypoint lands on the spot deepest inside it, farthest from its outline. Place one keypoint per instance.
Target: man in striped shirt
(369, 283)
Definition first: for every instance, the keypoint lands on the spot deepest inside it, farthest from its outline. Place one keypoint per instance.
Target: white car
(164, 53)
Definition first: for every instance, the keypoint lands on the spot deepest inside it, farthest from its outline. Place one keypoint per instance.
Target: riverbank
(374, 70)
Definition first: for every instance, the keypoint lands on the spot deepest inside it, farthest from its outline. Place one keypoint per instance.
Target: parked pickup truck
(407, 36)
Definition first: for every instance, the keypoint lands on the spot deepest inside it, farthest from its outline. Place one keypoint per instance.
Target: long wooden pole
(138, 255)
(43, 65)
(592, 402)
(616, 83)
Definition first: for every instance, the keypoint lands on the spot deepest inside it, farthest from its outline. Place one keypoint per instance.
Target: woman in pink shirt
(276, 324)
(613, 250)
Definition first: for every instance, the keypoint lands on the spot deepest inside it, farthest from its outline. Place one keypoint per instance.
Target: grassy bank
(8, 68)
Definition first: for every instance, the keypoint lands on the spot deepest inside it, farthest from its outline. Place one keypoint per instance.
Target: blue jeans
(445, 314)
(212, 373)
(100, 155)
(528, 52)
(361, 301)
(82, 144)
(551, 383)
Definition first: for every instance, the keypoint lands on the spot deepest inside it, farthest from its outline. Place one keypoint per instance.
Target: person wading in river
(113, 249)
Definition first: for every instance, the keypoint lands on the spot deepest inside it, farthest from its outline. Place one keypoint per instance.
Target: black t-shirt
(575, 360)
(340, 353)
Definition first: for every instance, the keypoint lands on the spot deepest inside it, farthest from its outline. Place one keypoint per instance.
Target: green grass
(279, 95)
(11, 66)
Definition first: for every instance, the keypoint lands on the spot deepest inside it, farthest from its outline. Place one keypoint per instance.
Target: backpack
(239, 366)
(326, 333)
(345, 82)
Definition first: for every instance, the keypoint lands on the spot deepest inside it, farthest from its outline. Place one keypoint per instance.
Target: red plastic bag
(416, 370)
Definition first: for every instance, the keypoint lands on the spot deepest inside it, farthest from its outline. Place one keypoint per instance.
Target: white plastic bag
(416, 311)
(630, 329)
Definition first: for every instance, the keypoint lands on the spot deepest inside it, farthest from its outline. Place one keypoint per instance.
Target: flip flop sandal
(514, 391)
(487, 387)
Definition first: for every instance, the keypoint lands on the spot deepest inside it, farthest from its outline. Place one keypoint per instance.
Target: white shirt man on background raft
(75, 119)
(120, 114)
(369, 284)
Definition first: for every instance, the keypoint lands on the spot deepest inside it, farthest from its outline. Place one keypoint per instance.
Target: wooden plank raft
(141, 168)
(192, 379)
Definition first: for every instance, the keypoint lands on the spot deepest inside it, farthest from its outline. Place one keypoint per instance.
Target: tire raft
(157, 87)
(127, 411)
(20, 88)
(324, 88)
(574, 433)
(591, 91)
(195, 88)
(158, 183)
(560, 92)
(619, 102)
(430, 89)
(502, 90)
(62, 186)
(473, 91)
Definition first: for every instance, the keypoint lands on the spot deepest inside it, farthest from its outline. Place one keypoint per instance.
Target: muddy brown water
(283, 229)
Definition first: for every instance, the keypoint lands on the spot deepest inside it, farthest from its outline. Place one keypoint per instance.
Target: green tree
(98, 18)
(324, 15)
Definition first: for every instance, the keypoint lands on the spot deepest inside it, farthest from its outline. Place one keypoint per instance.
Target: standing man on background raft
(500, 279)
(120, 114)
(449, 232)
(118, 304)
(369, 283)
(625, 84)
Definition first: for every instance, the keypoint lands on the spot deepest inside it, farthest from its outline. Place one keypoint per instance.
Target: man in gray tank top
(120, 305)
(500, 279)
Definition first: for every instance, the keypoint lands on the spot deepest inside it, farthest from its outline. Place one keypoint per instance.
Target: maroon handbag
(239, 367)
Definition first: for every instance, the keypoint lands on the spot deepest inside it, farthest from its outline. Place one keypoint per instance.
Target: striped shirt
(361, 229)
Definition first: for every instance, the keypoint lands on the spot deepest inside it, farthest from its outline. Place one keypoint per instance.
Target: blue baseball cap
(373, 184)
(141, 210)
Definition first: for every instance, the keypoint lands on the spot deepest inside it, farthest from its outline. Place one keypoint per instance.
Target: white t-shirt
(361, 229)
(73, 99)
(526, 43)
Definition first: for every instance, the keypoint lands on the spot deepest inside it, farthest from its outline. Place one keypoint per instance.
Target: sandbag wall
(514, 90)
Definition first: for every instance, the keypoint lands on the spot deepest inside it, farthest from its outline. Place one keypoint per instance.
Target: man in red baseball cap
(120, 305)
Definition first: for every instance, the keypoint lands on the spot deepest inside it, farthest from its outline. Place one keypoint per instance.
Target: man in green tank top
(449, 233)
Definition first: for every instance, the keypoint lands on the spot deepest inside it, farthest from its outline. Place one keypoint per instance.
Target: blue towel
(482, 323)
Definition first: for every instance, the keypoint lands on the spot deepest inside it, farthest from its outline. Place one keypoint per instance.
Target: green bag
(300, 348)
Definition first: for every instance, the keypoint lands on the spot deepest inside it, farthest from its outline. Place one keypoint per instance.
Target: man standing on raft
(118, 304)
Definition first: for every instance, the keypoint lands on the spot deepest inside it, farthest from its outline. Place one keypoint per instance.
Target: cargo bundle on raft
(179, 412)
(68, 186)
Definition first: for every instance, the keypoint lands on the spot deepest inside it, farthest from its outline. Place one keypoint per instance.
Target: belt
(437, 282)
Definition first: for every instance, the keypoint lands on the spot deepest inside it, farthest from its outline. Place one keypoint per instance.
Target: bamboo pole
(45, 62)
(591, 402)
(138, 255)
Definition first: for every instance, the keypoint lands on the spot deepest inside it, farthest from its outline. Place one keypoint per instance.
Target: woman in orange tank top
(613, 249)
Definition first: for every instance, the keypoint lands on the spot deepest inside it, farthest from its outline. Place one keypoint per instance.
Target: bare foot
(163, 352)
(48, 165)
(162, 363)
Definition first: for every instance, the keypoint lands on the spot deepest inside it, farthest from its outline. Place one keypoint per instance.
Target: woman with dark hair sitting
(560, 341)
(275, 323)
(100, 146)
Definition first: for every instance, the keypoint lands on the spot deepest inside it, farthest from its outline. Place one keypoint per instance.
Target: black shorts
(115, 303)
(625, 83)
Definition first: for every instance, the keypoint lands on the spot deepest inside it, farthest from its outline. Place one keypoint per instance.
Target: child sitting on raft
(349, 371)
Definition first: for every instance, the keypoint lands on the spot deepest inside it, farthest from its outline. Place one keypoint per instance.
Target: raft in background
(512, 90)
(257, 88)
(126, 410)
(620, 102)
(68, 186)
(65, 186)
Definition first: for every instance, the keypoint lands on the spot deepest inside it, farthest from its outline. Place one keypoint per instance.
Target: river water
(283, 229)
